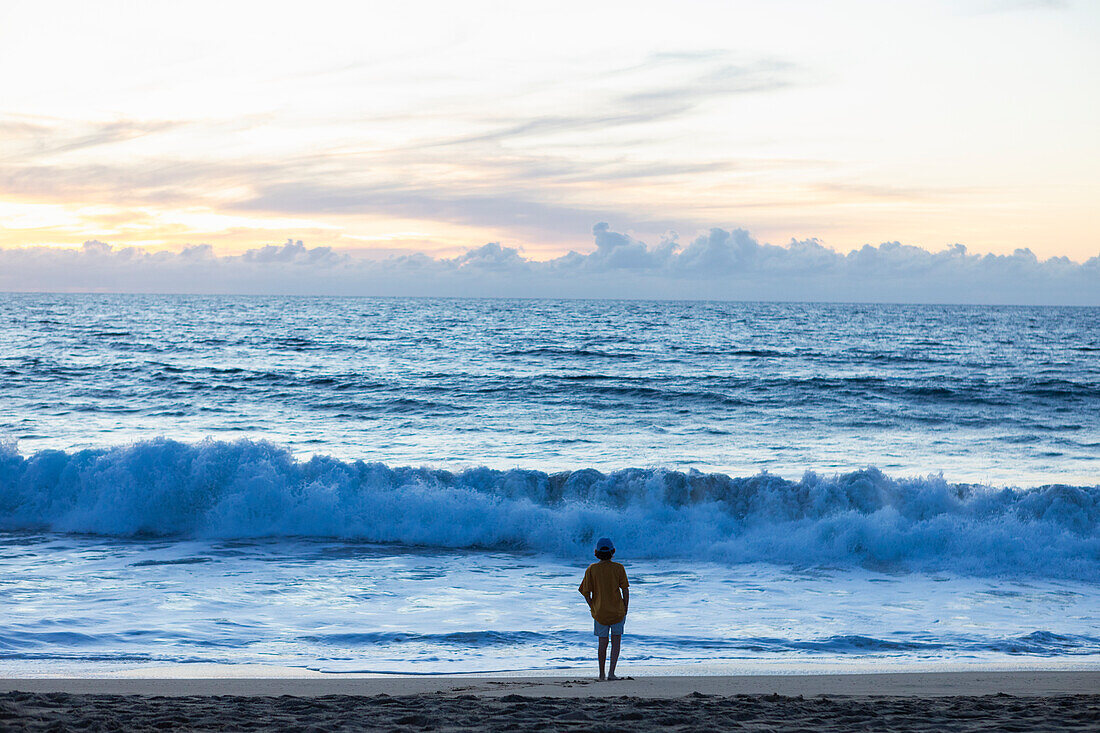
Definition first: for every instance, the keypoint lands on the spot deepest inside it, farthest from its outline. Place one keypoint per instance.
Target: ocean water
(414, 485)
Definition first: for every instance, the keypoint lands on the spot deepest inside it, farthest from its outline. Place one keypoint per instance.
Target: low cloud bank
(720, 265)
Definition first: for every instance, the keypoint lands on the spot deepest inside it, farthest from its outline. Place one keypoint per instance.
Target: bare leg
(603, 657)
(616, 642)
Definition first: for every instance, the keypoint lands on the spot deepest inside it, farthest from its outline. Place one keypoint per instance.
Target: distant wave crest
(257, 489)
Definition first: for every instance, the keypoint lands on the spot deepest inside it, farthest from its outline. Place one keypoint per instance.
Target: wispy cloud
(542, 169)
(1003, 6)
(652, 102)
(514, 211)
(722, 81)
(727, 264)
(30, 138)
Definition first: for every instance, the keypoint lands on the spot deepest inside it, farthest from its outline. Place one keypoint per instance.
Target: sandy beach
(908, 701)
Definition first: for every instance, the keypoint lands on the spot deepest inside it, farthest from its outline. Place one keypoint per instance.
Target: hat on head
(605, 543)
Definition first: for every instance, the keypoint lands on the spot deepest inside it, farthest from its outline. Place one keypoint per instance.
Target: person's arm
(624, 588)
(586, 590)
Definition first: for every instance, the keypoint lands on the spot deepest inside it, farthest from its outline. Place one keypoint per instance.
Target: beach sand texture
(438, 711)
(893, 702)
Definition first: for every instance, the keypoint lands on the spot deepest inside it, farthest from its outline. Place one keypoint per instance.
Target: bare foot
(612, 677)
(602, 678)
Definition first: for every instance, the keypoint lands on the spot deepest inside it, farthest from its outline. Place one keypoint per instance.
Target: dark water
(999, 395)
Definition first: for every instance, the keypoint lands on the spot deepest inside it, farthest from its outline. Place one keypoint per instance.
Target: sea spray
(247, 489)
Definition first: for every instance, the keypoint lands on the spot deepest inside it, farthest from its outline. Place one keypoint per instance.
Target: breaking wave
(247, 488)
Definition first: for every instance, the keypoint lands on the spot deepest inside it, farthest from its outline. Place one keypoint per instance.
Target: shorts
(603, 631)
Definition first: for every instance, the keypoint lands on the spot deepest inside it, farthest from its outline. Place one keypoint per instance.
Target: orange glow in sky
(435, 127)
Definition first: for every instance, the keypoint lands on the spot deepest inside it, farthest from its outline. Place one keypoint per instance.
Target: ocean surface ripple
(999, 396)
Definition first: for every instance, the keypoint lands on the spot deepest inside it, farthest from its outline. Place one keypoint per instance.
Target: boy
(605, 589)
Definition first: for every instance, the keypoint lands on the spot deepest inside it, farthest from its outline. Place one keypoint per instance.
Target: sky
(421, 147)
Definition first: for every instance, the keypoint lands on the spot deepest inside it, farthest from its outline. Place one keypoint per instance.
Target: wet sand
(963, 701)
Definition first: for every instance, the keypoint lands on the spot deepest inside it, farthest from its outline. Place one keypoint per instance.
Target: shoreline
(927, 702)
(1020, 683)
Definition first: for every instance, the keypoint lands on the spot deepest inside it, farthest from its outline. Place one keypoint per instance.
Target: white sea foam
(246, 488)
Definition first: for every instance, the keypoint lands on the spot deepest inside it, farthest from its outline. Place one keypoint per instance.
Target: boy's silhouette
(605, 588)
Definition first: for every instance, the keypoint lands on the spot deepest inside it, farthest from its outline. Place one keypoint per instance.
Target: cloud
(40, 137)
(721, 264)
(725, 80)
(295, 253)
(1002, 6)
(541, 167)
(514, 210)
(655, 102)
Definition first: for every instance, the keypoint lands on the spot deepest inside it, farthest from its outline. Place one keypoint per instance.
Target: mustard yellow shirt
(603, 580)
